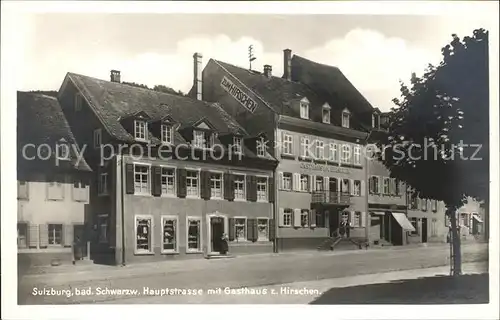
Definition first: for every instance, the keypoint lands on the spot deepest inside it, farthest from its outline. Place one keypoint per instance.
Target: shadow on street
(466, 289)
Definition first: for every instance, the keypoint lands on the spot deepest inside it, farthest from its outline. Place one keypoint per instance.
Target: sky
(375, 52)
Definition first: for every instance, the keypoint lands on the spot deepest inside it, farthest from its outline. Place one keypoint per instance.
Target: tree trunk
(455, 243)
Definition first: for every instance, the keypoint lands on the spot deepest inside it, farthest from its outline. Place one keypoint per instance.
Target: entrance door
(333, 221)
(80, 241)
(217, 230)
(424, 230)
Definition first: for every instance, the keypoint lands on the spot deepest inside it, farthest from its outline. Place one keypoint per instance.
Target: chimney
(115, 76)
(197, 80)
(268, 71)
(287, 64)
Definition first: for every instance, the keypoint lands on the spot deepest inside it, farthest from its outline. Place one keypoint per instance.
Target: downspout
(276, 193)
(122, 206)
(367, 192)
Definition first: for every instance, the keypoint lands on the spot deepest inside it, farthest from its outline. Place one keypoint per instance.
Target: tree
(162, 88)
(438, 141)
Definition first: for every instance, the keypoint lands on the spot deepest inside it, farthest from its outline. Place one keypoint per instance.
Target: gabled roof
(277, 92)
(330, 83)
(40, 120)
(112, 101)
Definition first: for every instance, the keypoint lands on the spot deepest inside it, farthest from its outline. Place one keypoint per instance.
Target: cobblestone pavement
(256, 271)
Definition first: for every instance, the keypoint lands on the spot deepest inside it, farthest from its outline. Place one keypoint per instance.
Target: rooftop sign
(238, 94)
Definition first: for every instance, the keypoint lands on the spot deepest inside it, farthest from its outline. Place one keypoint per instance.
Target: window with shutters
(434, 228)
(304, 218)
(168, 181)
(334, 152)
(141, 179)
(103, 225)
(357, 155)
(287, 217)
(199, 139)
(140, 130)
(240, 229)
(97, 138)
(304, 182)
(167, 134)
(193, 183)
(216, 185)
(237, 145)
(22, 190)
(305, 147)
(320, 150)
(261, 147)
(262, 229)
(387, 182)
(262, 191)
(434, 205)
(345, 186)
(286, 183)
(357, 219)
(346, 154)
(357, 188)
(55, 234)
(143, 234)
(414, 223)
(22, 235)
(170, 234)
(346, 118)
(194, 234)
(102, 186)
(374, 185)
(55, 188)
(319, 184)
(424, 204)
(239, 187)
(397, 189)
(287, 144)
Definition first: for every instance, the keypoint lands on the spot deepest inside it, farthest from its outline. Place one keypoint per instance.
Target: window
(346, 153)
(102, 187)
(262, 229)
(319, 185)
(357, 219)
(320, 149)
(357, 188)
(216, 185)
(414, 223)
(55, 188)
(79, 190)
(414, 201)
(199, 139)
(287, 181)
(144, 238)
(261, 188)
(305, 147)
(345, 186)
(167, 134)
(169, 234)
(140, 132)
(102, 224)
(240, 229)
(357, 155)
(239, 187)
(304, 217)
(287, 144)
(434, 228)
(304, 182)
(326, 114)
(62, 151)
(22, 189)
(287, 217)
(424, 204)
(397, 190)
(334, 153)
(374, 185)
(78, 102)
(192, 183)
(237, 144)
(194, 235)
(168, 181)
(22, 235)
(345, 119)
(434, 205)
(261, 147)
(375, 121)
(304, 110)
(97, 138)
(55, 234)
(141, 180)
(387, 182)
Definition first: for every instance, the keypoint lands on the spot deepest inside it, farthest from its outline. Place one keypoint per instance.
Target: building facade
(53, 185)
(174, 174)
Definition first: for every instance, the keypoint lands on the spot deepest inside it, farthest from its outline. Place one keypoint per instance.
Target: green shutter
(181, 183)
(68, 235)
(129, 178)
(43, 235)
(156, 181)
(231, 229)
(270, 189)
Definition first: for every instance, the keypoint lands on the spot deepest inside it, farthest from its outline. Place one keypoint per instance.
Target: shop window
(194, 235)
(144, 236)
(169, 234)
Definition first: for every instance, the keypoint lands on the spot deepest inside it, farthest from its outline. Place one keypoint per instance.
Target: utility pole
(250, 55)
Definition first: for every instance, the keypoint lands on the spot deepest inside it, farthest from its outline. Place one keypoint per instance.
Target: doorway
(80, 241)
(424, 230)
(217, 230)
(333, 221)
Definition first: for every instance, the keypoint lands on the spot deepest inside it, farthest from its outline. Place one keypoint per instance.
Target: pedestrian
(224, 244)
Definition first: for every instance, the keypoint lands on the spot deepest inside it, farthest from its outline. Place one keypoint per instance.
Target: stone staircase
(342, 243)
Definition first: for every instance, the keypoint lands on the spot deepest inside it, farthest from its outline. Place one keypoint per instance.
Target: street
(187, 281)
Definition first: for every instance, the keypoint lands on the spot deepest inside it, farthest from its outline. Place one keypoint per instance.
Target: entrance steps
(219, 256)
(341, 243)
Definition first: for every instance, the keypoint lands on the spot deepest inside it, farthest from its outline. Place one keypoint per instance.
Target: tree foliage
(159, 88)
(438, 140)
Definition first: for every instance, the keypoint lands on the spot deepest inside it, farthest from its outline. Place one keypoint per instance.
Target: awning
(378, 213)
(403, 221)
(477, 218)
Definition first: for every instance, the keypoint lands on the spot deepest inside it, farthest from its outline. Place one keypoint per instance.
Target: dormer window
(261, 147)
(326, 113)
(346, 117)
(237, 144)
(304, 109)
(375, 120)
(140, 132)
(199, 139)
(167, 134)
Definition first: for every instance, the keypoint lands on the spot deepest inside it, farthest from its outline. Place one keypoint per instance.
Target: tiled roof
(40, 120)
(329, 82)
(113, 101)
(277, 92)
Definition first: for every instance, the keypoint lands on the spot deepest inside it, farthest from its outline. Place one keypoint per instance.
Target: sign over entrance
(238, 94)
(322, 167)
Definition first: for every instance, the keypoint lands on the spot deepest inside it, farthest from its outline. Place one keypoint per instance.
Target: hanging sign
(238, 94)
